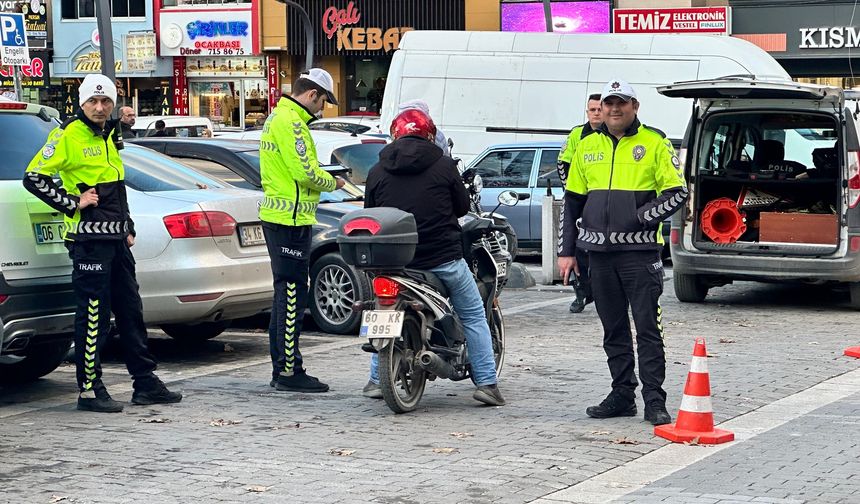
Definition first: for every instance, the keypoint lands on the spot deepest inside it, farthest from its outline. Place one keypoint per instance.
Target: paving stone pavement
(766, 342)
(813, 459)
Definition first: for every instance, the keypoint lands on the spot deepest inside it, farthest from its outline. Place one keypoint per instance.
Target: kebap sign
(700, 20)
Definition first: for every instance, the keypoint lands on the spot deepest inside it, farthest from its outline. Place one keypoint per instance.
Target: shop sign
(272, 75)
(140, 52)
(198, 32)
(236, 66)
(836, 37)
(91, 62)
(180, 87)
(338, 23)
(33, 75)
(35, 16)
(703, 20)
(70, 96)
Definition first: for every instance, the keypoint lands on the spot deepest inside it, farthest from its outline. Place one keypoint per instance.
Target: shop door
(366, 84)
(218, 100)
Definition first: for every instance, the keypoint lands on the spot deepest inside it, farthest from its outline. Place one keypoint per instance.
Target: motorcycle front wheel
(497, 332)
(401, 379)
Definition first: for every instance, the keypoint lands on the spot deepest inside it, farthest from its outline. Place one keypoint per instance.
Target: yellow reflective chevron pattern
(290, 328)
(90, 347)
(312, 174)
(284, 205)
(660, 319)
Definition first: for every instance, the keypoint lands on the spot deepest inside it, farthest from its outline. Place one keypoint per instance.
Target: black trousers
(103, 279)
(582, 287)
(631, 279)
(289, 251)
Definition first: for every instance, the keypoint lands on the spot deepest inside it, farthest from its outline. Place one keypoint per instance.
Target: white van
(488, 88)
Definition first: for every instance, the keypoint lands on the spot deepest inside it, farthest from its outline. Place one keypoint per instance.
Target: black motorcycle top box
(378, 238)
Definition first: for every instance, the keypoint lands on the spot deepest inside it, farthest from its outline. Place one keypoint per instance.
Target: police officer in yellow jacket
(292, 182)
(624, 181)
(99, 234)
(582, 285)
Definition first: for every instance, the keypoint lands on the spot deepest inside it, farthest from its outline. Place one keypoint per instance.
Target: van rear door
(749, 89)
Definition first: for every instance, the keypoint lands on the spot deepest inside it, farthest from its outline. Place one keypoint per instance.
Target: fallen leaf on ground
(709, 354)
(527, 368)
(812, 343)
(601, 432)
(625, 440)
(692, 442)
(154, 420)
(58, 498)
(445, 450)
(726, 340)
(744, 324)
(341, 452)
(228, 348)
(450, 395)
(220, 422)
(258, 488)
(461, 435)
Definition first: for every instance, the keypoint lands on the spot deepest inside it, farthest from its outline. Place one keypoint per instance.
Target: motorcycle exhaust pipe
(432, 363)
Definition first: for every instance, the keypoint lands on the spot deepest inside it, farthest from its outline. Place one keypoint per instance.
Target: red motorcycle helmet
(413, 122)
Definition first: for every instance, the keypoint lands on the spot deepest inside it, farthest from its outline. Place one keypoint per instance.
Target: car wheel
(508, 240)
(196, 332)
(38, 361)
(335, 286)
(689, 288)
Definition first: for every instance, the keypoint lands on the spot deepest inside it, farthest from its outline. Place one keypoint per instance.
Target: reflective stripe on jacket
(291, 175)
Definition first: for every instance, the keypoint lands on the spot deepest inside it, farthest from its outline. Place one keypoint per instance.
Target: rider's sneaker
(98, 401)
(300, 381)
(613, 406)
(577, 306)
(155, 392)
(489, 394)
(372, 390)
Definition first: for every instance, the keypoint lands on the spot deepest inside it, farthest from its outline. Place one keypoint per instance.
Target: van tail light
(853, 178)
(674, 237)
(386, 290)
(372, 141)
(200, 224)
(854, 244)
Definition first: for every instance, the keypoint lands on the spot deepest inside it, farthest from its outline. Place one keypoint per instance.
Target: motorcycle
(410, 322)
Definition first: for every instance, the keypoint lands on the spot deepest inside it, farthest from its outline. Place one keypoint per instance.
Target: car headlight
(478, 183)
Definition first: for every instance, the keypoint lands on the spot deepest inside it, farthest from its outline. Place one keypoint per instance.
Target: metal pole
(19, 90)
(547, 12)
(105, 38)
(309, 30)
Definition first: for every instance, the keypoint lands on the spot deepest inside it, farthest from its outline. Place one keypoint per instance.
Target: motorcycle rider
(582, 283)
(414, 164)
(440, 140)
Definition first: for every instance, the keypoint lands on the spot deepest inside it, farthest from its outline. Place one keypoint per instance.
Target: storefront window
(77, 9)
(175, 3)
(366, 83)
(217, 100)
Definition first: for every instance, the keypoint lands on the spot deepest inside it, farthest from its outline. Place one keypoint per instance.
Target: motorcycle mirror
(509, 198)
(450, 144)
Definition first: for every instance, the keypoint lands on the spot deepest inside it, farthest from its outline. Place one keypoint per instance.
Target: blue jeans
(470, 309)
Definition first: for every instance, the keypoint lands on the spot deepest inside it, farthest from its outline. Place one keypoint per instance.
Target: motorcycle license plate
(501, 269)
(381, 323)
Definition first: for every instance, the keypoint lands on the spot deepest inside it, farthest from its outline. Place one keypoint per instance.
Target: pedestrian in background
(99, 234)
(127, 119)
(624, 180)
(582, 280)
(292, 182)
(160, 129)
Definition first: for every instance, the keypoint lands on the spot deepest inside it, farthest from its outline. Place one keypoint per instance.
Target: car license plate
(381, 323)
(501, 269)
(251, 235)
(49, 232)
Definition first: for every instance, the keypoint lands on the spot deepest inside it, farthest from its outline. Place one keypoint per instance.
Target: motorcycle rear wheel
(497, 332)
(401, 379)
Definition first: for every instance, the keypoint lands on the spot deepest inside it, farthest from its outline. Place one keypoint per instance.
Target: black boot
(613, 406)
(300, 381)
(153, 391)
(655, 412)
(582, 299)
(99, 401)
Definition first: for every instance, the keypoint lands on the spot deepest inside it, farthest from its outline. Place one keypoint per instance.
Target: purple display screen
(567, 17)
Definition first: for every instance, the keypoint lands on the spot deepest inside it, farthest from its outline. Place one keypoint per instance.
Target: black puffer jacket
(414, 176)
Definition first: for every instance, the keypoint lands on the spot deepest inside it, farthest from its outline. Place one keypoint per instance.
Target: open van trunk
(765, 174)
(768, 183)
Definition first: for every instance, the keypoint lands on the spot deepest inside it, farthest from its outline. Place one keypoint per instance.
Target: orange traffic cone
(853, 351)
(696, 416)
